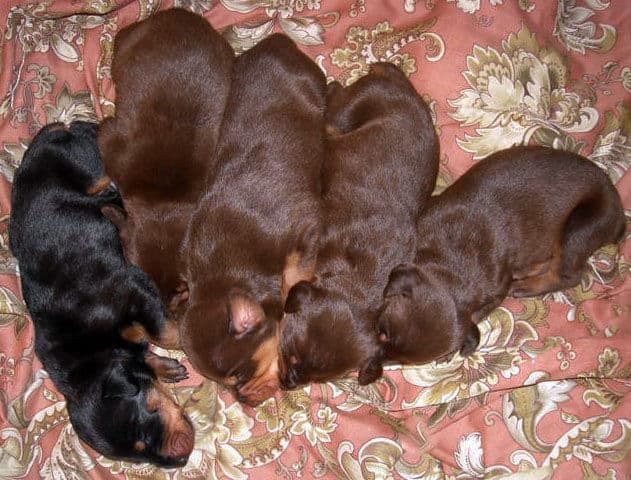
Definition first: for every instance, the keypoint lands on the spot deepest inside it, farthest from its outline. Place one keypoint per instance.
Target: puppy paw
(172, 371)
(252, 400)
(166, 369)
(257, 394)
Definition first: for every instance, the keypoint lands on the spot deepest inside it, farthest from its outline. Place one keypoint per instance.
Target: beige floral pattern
(519, 93)
(612, 149)
(498, 355)
(472, 6)
(299, 19)
(546, 395)
(577, 33)
(69, 107)
(382, 458)
(383, 44)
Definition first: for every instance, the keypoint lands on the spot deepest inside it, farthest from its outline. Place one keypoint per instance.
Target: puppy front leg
(166, 369)
(146, 315)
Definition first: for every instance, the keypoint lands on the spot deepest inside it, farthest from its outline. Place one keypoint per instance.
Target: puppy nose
(180, 446)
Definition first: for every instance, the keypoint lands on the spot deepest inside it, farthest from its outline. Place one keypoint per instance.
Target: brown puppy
(259, 218)
(522, 222)
(172, 77)
(380, 170)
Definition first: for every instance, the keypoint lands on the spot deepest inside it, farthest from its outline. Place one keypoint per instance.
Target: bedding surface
(548, 392)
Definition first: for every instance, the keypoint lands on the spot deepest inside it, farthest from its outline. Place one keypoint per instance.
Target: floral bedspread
(547, 394)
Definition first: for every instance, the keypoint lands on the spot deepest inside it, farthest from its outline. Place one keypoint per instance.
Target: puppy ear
(402, 280)
(370, 371)
(114, 214)
(300, 293)
(245, 314)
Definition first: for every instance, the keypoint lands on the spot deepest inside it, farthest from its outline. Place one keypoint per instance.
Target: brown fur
(260, 213)
(380, 170)
(172, 77)
(522, 222)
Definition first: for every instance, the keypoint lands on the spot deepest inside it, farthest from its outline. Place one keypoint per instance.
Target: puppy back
(382, 139)
(272, 140)
(171, 59)
(172, 77)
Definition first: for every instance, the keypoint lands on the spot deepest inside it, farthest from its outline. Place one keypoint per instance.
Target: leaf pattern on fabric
(518, 94)
(547, 394)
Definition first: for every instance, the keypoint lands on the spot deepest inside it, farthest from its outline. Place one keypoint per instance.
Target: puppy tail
(596, 221)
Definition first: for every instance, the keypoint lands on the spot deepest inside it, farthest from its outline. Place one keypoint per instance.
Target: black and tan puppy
(522, 222)
(380, 171)
(83, 297)
(255, 231)
(172, 77)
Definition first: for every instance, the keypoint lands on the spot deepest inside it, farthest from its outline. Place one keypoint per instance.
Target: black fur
(81, 294)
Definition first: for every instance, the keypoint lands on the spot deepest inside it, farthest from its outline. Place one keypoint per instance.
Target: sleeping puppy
(522, 222)
(83, 299)
(172, 77)
(255, 231)
(380, 171)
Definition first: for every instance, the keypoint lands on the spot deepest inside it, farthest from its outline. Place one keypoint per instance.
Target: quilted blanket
(548, 392)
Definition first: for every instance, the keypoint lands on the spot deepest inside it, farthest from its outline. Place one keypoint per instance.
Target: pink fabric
(548, 391)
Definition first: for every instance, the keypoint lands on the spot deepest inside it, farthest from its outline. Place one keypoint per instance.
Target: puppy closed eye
(397, 290)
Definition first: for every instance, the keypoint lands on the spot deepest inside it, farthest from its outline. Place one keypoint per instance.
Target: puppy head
(221, 334)
(127, 414)
(320, 339)
(418, 321)
(70, 156)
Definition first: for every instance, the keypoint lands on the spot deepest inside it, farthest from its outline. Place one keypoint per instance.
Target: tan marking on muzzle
(179, 435)
(264, 383)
